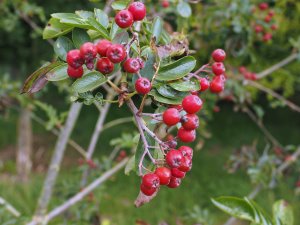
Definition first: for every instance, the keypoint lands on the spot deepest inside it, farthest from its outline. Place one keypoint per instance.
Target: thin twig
(9, 207)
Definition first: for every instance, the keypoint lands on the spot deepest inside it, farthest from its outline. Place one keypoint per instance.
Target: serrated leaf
(55, 28)
(121, 38)
(79, 37)
(61, 47)
(37, 80)
(283, 213)
(58, 73)
(184, 9)
(119, 5)
(157, 29)
(88, 82)
(101, 17)
(169, 92)
(188, 85)
(159, 98)
(130, 166)
(177, 69)
(94, 24)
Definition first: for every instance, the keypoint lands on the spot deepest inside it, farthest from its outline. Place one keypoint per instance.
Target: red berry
(147, 191)
(174, 182)
(218, 55)
(177, 173)
(116, 53)
(204, 84)
(105, 66)
(132, 65)
(150, 180)
(274, 27)
(186, 164)
(171, 116)
(191, 104)
(242, 70)
(141, 62)
(138, 10)
(186, 151)
(124, 18)
(263, 6)
(186, 135)
(165, 3)
(190, 121)
(75, 73)
(267, 37)
(268, 19)
(258, 29)
(164, 175)
(143, 86)
(102, 47)
(253, 76)
(217, 85)
(174, 158)
(74, 59)
(218, 68)
(171, 143)
(88, 51)
(271, 13)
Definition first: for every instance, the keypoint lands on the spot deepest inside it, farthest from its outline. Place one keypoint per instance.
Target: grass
(207, 179)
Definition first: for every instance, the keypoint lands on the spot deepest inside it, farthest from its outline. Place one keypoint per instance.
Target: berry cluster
(248, 75)
(264, 25)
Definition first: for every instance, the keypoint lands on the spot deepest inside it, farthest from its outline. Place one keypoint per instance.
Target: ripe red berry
(88, 51)
(271, 13)
(186, 135)
(174, 182)
(102, 47)
(258, 28)
(75, 72)
(143, 86)
(218, 55)
(217, 85)
(150, 180)
(192, 104)
(131, 65)
(218, 68)
(165, 3)
(242, 70)
(186, 164)
(253, 76)
(268, 19)
(186, 151)
(147, 191)
(124, 18)
(263, 6)
(274, 27)
(74, 59)
(267, 37)
(164, 175)
(190, 121)
(138, 10)
(116, 53)
(204, 84)
(177, 173)
(171, 116)
(174, 158)
(105, 66)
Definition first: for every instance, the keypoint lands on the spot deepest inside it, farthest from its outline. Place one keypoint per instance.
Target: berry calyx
(143, 86)
(171, 116)
(218, 55)
(138, 10)
(190, 121)
(191, 104)
(186, 136)
(186, 151)
(124, 18)
(204, 84)
(218, 68)
(150, 180)
(105, 66)
(164, 175)
(147, 191)
(116, 53)
(174, 158)
(88, 51)
(74, 59)
(132, 65)
(75, 72)
(174, 182)
(186, 165)
(102, 47)
(177, 173)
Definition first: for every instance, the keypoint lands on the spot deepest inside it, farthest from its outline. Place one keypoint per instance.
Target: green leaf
(177, 69)
(80, 37)
(283, 213)
(157, 28)
(55, 28)
(61, 47)
(184, 9)
(169, 92)
(115, 29)
(148, 71)
(159, 98)
(119, 5)
(89, 82)
(130, 165)
(101, 17)
(94, 24)
(84, 14)
(58, 73)
(188, 85)
(121, 38)
(37, 80)
(72, 19)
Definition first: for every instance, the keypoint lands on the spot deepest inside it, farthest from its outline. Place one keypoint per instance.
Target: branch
(9, 207)
(56, 160)
(79, 196)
